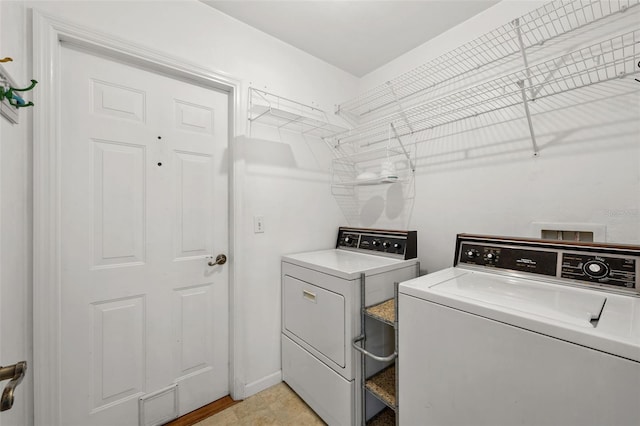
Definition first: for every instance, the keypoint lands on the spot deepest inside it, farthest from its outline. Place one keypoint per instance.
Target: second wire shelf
(286, 114)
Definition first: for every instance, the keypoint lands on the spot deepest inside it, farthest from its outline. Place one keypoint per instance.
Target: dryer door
(316, 316)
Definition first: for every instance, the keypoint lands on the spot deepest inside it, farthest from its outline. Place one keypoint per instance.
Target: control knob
(472, 253)
(386, 244)
(397, 246)
(348, 240)
(596, 269)
(376, 243)
(490, 257)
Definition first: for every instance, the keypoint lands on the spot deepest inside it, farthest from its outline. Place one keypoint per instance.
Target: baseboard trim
(262, 384)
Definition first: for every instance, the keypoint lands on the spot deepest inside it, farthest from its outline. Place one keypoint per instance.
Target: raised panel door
(143, 204)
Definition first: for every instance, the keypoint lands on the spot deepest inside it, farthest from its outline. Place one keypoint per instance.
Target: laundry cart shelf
(378, 379)
(385, 311)
(383, 386)
(386, 417)
(286, 114)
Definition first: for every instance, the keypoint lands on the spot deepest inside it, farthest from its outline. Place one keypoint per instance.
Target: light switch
(258, 224)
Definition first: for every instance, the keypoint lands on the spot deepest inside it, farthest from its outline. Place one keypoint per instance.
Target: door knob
(16, 373)
(221, 259)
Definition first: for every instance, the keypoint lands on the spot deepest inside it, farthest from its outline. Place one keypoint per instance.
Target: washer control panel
(614, 271)
(611, 267)
(512, 258)
(397, 244)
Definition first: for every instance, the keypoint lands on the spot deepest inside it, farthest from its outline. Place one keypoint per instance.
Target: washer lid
(596, 319)
(345, 264)
(556, 303)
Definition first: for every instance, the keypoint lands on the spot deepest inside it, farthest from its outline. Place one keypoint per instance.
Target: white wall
(479, 175)
(15, 222)
(281, 177)
(292, 193)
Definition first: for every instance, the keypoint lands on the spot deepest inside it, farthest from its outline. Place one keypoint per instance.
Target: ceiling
(356, 36)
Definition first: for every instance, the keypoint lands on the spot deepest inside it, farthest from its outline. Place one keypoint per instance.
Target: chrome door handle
(16, 373)
(221, 259)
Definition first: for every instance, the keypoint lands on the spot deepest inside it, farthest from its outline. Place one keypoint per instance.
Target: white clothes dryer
(523, 332)
(321, 314)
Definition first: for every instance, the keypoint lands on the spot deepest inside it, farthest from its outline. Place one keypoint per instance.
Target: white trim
(48, 33)
(262, 384)
(236, 272)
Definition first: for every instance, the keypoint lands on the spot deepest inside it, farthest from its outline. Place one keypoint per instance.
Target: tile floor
(278, 405)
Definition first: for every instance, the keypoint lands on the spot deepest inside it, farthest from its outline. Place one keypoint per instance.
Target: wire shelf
(371, 155)
(282, 113)
(614, 58)
(535, 28)
(371, 181)
(371, 167)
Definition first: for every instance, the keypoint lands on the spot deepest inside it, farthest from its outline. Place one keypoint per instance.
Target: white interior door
(143, 204)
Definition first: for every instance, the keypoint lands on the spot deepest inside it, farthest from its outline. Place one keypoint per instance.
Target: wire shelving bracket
(523, 50)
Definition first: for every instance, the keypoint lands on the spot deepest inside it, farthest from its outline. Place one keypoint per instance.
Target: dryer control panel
(396, 244)
(609, 267)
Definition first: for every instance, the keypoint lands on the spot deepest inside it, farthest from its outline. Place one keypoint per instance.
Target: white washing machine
(321, 314)
(523, 332)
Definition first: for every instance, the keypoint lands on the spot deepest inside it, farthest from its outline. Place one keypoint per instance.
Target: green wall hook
(13, 98)
(26, 89)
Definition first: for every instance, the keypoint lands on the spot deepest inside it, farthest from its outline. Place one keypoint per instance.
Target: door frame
(48, 34)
